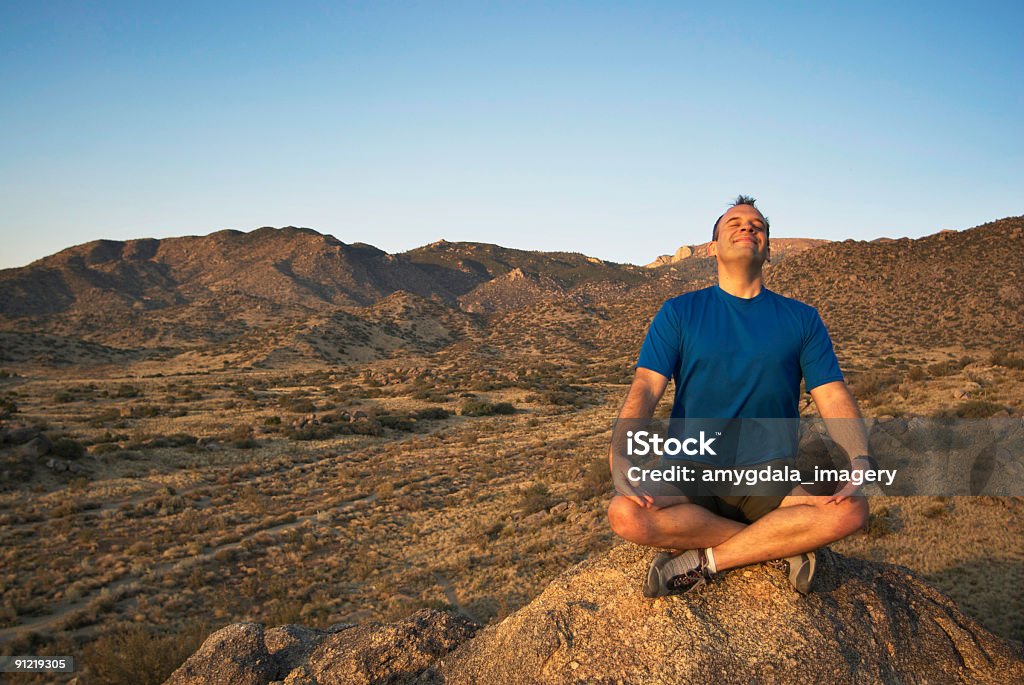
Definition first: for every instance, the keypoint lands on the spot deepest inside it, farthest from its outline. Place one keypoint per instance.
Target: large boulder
(864, 622)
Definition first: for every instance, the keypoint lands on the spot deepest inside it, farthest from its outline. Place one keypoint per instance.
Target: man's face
(742, 235)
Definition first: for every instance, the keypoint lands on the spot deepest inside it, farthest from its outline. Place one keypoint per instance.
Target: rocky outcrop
(513, 290)
(864, 622)
(248, 654)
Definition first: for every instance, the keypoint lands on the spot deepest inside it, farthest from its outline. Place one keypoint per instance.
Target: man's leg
(800, 524)
(675, 523)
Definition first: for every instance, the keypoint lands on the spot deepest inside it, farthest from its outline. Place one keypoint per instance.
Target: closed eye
(756, 223)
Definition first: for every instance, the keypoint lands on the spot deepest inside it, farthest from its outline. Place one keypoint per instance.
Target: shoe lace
(691, 577)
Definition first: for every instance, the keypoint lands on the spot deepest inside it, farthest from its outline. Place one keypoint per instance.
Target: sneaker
(801, 571)
(676, 573)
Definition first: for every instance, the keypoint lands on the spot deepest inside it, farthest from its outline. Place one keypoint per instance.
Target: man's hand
(847, 491)
(851, 489)
(634, 493)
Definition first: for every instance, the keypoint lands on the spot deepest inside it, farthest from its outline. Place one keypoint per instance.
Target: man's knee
(849, 516)
(628, 520)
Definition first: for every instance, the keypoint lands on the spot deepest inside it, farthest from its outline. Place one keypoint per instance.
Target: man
(737, 351)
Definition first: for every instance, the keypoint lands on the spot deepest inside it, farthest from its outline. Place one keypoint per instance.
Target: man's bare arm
(644, 394)
(641, 400)
(845, 425)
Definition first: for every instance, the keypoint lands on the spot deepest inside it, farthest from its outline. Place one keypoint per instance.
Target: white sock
(711, 560)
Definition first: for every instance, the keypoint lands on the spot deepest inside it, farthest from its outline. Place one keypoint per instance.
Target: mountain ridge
(231, 289)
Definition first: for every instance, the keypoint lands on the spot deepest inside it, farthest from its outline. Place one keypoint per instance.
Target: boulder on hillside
(864, 622)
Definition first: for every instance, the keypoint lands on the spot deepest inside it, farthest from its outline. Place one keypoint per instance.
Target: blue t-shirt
(732, 357)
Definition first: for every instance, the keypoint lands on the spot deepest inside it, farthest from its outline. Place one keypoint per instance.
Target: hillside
(251, 292)
(253, 298)
(954, 288)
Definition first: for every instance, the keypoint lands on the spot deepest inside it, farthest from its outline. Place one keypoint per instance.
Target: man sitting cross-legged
(737, 350)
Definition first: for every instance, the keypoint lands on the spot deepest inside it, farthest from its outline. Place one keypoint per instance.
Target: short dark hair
(740, 200)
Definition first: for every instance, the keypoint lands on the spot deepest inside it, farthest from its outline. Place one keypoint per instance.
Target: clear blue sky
(619, 130)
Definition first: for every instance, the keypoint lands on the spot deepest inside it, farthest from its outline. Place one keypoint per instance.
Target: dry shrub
(1007, 359)
(978, 409)
(881, 522)
(597, 480)
(476, 408)
(138, 655)
(67, 448)
(433, 413)
(535, 498)
(874, 382)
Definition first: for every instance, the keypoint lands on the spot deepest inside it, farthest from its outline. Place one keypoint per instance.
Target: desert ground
(172, 500)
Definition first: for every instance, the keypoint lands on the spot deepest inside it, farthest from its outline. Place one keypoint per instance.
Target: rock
(294, 655)
(966, 391)
(983, 375)
(36, 447)
(394, 652)
(894, 426)
(21, 435)
(535, 517)
(864, 622)
(235, 654)
(290, 645)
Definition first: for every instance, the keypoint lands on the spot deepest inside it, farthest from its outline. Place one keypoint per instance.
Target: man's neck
(740, 282)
